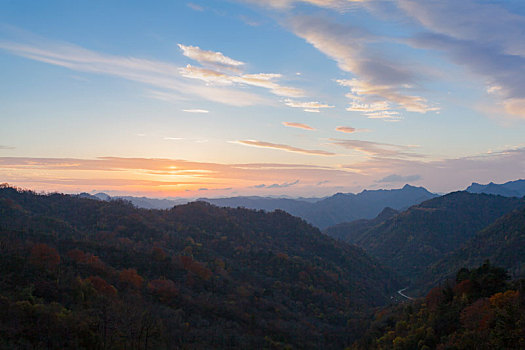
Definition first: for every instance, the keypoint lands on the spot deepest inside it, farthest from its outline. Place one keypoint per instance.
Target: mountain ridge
(338, 208)
(514, 188)
(418, 237)
(502, 243)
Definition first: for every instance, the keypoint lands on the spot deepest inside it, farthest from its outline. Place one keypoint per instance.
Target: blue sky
(269, 97)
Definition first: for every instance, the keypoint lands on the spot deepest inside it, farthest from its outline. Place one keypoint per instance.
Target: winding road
(400, 292)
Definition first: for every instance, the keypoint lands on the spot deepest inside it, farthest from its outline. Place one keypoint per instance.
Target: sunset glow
(274, 97)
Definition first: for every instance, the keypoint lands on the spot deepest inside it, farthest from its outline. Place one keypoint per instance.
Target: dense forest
(411, 241)
(89, 274)
(480, 310)
(355, 231)
(86, 274)
(502, 242)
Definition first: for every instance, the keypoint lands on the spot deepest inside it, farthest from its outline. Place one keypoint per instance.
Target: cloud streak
(377, 149)
(202, 111)
(286, 4)
(381, 85)
(195, 7)
(312, 106)
(489, 42)
(209, 57)
(263, 80)
(501, 166)
(346, 129)
(170, 80)
(298, 125)
(164, 177)
(287, 148)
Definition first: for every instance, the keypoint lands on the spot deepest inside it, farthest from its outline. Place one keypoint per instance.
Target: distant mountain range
(508, 189)
(341, 207)
(139, 202)
(320, 212)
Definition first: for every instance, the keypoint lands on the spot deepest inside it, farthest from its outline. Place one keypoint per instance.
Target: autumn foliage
(77, 273)
(131, 278)
(163, 288)
(102, 287)
(481, 311)
(44, 256)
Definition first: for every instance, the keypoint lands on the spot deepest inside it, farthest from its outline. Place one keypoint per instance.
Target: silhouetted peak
(413, 188)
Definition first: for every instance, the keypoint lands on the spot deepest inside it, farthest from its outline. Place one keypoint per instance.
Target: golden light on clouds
(298, 125)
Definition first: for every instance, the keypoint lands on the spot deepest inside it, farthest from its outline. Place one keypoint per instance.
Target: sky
(260, 97)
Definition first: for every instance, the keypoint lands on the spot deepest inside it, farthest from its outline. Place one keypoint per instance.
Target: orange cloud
(346, 129)
(298, 125)
(161, 177)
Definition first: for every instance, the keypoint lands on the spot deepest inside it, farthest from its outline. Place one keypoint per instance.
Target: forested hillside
(81, 273)
(503, 243)
(413, 240)
(352, 232)
(480, 309)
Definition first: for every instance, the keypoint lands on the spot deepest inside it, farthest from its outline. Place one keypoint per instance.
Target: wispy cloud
(262, 80)
(381, 85)
(217, 75)
(209, 57)
(388, 95)
(195, 7)
(285, 4)
(298, 125)
(450, 174)
(389, 116)
(377, 149)
(287, 148)
(249, 21)
(6, 147)
(162, 177)
(222, 95)
(346, 129)
(170, 84)
(313, 106)
(195, 110)
(489, 42)
(154, 73)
